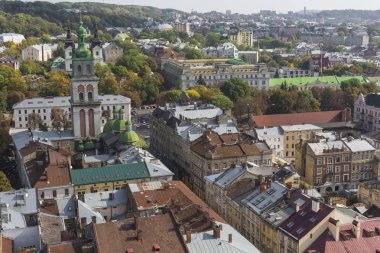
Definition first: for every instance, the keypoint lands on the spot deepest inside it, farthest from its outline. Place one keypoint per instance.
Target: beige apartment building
(112, 53)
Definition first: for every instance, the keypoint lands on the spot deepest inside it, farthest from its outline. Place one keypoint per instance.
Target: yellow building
(294, 134)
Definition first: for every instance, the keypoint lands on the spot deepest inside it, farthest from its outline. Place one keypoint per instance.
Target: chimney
(93, 219)
(136, 222)
(305, 191)
(139, 235)
(315, 206)
(217, 229)
(185, 227)
(263, 186)
(297, 208)
(356, 228)
(188, 236)
(333, 228)
(230, 238)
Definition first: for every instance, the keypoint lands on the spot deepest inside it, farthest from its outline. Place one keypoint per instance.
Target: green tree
(102, 71)
(109, 85)
(34, 121)
(235, 88)
(31, 67)
(5, 184)
(172, 96)
(14, 97)
(192, 53)
(212, 40)
(222, 102)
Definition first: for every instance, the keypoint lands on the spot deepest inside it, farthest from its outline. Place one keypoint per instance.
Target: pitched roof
(326, 243)
(67, 247)
(314, 118)
(111, 173)
(302, 222)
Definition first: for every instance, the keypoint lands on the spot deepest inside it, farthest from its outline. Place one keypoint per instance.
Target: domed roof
(108, 127)
(129, 137)
(119, 125)
(82, 53)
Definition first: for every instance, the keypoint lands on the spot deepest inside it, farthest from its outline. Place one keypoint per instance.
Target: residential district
(201, 133)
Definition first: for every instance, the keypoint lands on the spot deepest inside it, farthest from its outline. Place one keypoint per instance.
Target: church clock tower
(85, 103)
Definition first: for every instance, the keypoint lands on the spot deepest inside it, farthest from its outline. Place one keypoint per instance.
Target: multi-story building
(251, 57)
(283, 139)
(42, 52)
(112, 53)
(361, 40)
(227, 50)
(44, 107)
(286, 72)
(367, 112)
(242, 37)
(369, 193)
(294, 134)
(175, 127)
(212, 153)
(333, 166)
(189, 72)
(218, 185)
(11, 37)
(183, 27)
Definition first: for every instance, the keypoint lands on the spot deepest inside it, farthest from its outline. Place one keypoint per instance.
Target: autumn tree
(109, 85)
(34, 120)
(14, 97)
(5, 184)
(59, 119)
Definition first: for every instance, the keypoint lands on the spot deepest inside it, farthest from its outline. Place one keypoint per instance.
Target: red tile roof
(315, 118)
(326, 243)
(67, 247)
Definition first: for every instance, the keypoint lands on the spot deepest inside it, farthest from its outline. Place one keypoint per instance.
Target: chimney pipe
(315, 206)
(188, 236)
(230, 238)
(297, 208)
(217, 231)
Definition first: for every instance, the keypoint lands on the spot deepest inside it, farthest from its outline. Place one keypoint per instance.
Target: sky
(249, 6)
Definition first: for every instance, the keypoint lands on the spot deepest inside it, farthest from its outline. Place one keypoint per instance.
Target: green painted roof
(129, 137)
(302, 81)
(111, 173)
(82, 51)
(119, 125)
(108, 127)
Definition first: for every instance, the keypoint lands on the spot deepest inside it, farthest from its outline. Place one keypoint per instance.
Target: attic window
(300, 230)
(290, 224)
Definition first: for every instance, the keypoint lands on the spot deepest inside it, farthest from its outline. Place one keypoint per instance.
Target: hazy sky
(250, 6)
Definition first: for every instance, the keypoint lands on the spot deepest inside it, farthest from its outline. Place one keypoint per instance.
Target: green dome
(108, 127)
(89, 145)
(81, 30)
(129, 137)
(82, 53)
(119, 125)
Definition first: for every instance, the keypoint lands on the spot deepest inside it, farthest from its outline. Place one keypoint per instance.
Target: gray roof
(65, 101)
(271, 131)
(66, 207)
(318, 147)
(192, 112)
(278, 214)
(16, 204)
(359, 145)
(229, 176)
(305, 127)
(206, 242)
(86, 211)
(22, 138)
(260, 201)
(97, 158)
(102, 200)
(24, 237)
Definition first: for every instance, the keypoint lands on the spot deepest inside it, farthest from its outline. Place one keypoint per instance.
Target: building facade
(42, 52)
(189, 72)
(367, 112)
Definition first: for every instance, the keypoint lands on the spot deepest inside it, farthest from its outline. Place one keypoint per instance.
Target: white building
(41, 52)
(227, 50)
(274, 137)
(44, 106)
(367, 112)
(11, 37)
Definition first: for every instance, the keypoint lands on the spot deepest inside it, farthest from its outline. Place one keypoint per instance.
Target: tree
(56, 84)
(193, 94)
(306, 102)
(34, 121)
(5, 184)
(109, 85)
(192, 53)
(14, 97)
(58, 118)
(212, 40)
(222, 102)
(31, 67)
(235, 88)
(119, 71)
(172, 96)
(102, 71)
(6, 140)
(3, 99)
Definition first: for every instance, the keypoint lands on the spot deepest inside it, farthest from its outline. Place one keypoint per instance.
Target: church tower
(96, 48)
(69, 50)
(85, 103)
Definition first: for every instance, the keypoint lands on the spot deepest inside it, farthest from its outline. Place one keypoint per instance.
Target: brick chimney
(216, 230)
(188, 236)
(230, 238)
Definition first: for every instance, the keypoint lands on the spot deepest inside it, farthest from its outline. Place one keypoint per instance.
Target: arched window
(81, 92)
(88, 68)
(90, 92)
(90, 96)
(79, 68)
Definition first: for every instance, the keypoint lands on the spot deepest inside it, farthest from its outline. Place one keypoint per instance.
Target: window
(88, 68)
(44, 111)
(319, 170)
(81, 96)
(319, 161)
(318, 181)
(42, 195)
(337, 178)
(329, 169)
(337, 159)
(346, 168)
(19, 111)
(337, 169)
(346, 178)
(346, 158)
(79, 68)
(66, 192)
(54, 193)
(90, 96)
(329, 160)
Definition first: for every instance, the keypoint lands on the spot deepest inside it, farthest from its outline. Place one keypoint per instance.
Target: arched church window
(81, 96)
(90, 97)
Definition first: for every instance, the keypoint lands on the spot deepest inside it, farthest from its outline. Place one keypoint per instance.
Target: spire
(69, 41)
(96, 41)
